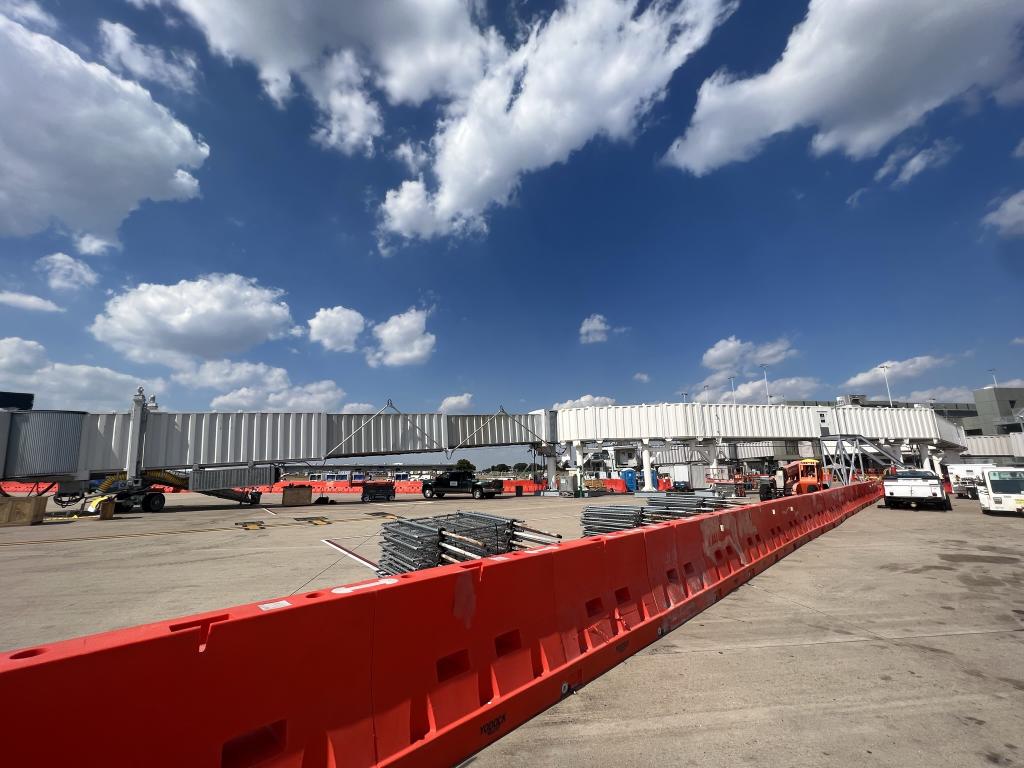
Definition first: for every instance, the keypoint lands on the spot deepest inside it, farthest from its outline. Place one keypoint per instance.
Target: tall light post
(885, 373)
(732, 383)
(767, 396)
(685, 395)
(707, 394)
(995, 384)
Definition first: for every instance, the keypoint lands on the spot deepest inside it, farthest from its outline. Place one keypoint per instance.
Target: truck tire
(948, 504)
(428, 493)
(153, 502)
(365, 497)
(888, 504)
(391, 497)
(478, 493)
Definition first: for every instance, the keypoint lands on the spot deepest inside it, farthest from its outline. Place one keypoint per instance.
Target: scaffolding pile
(600, 519)
(412, 545)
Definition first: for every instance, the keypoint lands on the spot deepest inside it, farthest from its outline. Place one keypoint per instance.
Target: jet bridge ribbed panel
(385, 433)
(209, 439)
(498, 429)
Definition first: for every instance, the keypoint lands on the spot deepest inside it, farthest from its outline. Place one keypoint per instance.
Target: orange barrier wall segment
(422, 669)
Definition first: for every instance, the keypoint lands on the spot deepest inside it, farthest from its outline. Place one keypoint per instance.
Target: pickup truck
(461, 483)
(915, 487)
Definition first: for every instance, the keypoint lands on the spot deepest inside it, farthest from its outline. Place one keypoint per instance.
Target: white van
(1002, 490)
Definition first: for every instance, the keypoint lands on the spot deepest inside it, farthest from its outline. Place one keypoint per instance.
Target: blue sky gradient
(761, 249)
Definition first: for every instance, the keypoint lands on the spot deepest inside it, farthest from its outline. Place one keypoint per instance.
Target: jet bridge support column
(136, 429)
(552, 469)
(646, 453)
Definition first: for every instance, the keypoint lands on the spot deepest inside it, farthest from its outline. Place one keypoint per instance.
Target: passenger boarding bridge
(74, 445)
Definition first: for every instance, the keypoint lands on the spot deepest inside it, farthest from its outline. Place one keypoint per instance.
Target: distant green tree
(501, 468)
(521, 466)
(465, 465)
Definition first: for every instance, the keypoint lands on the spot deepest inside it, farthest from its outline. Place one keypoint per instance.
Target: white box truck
(965, 479)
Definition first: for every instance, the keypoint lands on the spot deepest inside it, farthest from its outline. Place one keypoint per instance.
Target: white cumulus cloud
(208, 318)
(66, 273)
(897, 369)
(402, 340)
(942, 395)
(456, 403)
(25, 367)
(224, 375)
(594, 329)
(314, 397)
(29, 13)
(81, 147)
(174, 69)
(342, 52)
(591, 70)
(905, 163)
(336, 328)
(368, 408)
(786, 388)
(643, 378)
(91, 245)
(1008, 217)
(858, 74)
(584, 401)
(28, 301)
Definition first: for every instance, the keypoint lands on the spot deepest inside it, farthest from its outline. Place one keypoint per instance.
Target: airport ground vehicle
(377, 490)
(915, 487)
(965, 479)
(458, 482)
(793, 479)
(1002, 490)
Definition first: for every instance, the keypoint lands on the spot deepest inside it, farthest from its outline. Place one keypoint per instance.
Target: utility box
(22, 510)
(297, 496)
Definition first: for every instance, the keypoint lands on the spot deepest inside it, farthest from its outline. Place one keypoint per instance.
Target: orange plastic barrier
(423, 669)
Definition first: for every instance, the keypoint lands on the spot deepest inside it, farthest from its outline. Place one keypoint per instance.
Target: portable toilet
(629, 475)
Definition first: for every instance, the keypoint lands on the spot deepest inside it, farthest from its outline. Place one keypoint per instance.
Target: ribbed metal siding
(43, 443)
(996, 445)
(104, 443)
(186, 439)
(5, 430)
(688, 420)
(515, 429)
(385, 433)
(233, 477)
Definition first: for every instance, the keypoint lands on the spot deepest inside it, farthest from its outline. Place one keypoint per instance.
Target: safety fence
(422, 669)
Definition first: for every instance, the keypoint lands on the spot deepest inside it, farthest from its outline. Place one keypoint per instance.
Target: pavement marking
(269, 512)
(349, 553)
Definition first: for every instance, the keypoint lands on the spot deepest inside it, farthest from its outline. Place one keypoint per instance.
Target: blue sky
(508, 204)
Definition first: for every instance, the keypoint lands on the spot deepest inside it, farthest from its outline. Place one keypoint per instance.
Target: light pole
(732, 383)
(685, 395)
(995, 384)
(767, 396)
(707, 395)
(885, 373)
